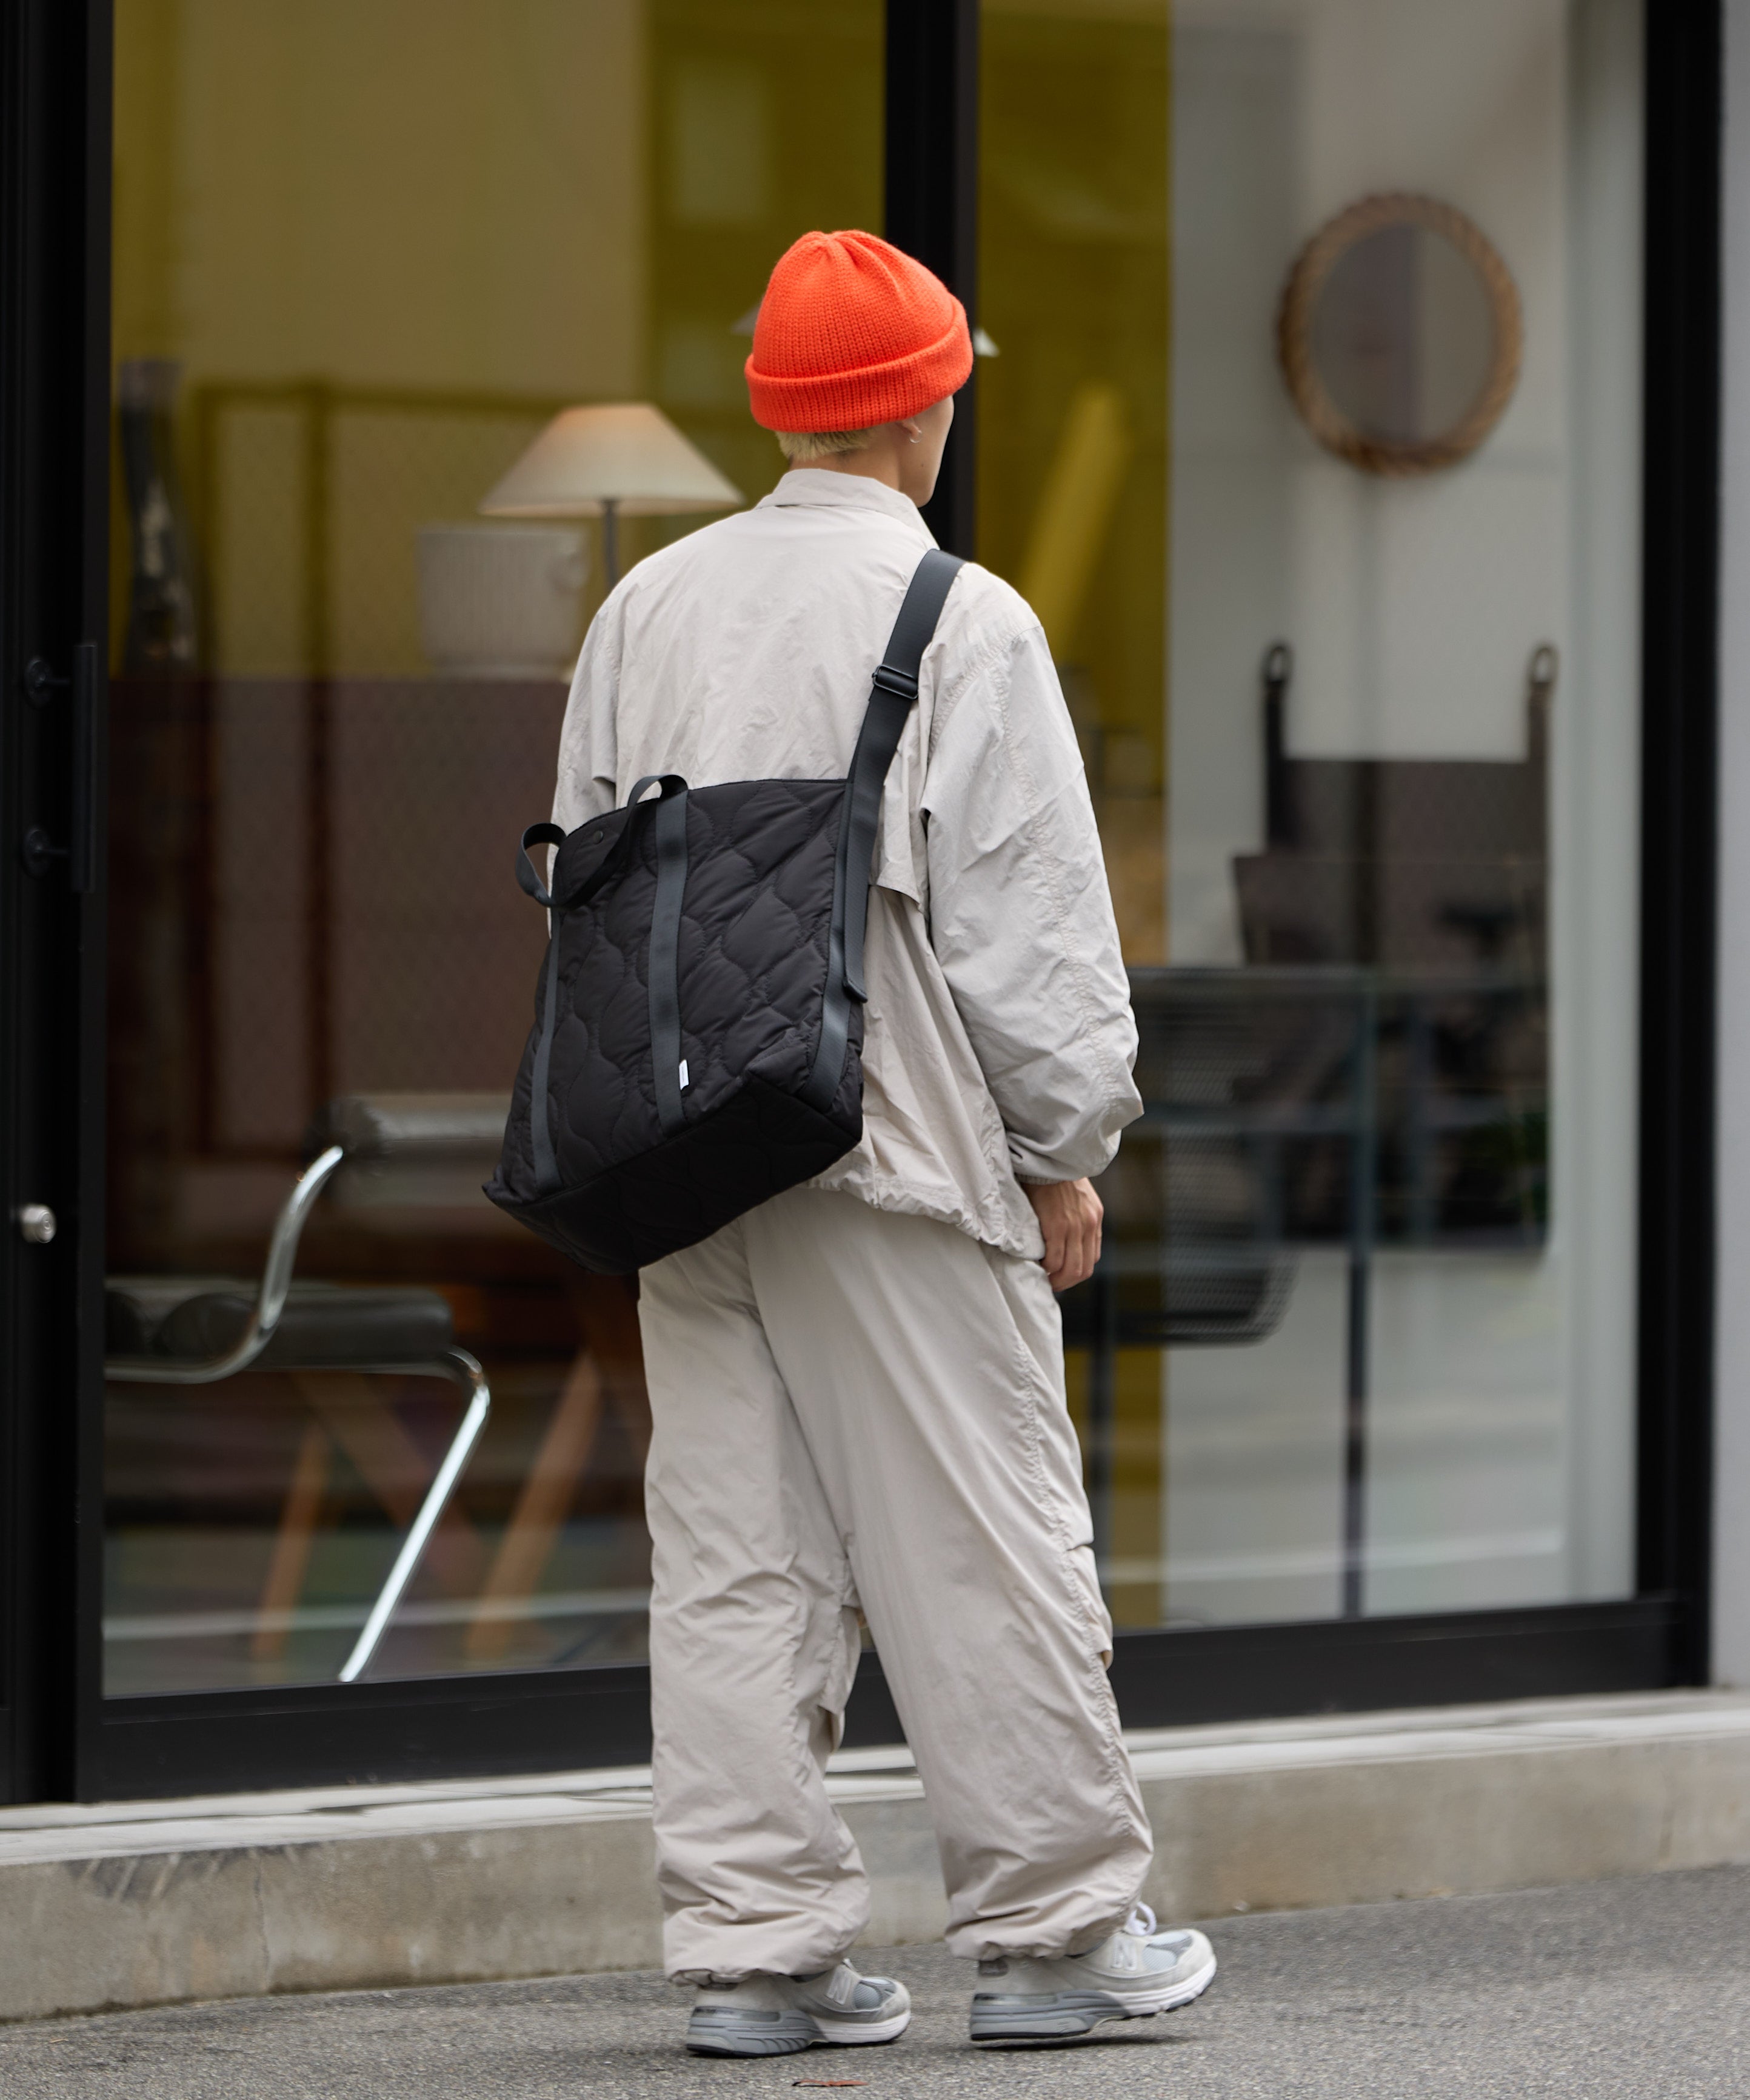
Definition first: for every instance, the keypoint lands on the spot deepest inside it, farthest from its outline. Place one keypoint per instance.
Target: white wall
(1418, 602)
(1731, 1613)
(1413, 605)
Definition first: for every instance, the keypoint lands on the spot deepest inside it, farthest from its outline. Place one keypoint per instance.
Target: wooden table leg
(631, 1403)
(540, 1510)
(292, 1544)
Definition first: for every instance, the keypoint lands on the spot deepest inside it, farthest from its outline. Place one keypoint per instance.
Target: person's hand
(1069, 1214)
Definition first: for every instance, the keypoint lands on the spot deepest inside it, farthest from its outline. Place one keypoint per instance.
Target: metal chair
(201, 1331)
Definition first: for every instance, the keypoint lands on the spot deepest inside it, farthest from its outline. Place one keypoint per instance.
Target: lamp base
(501, 601)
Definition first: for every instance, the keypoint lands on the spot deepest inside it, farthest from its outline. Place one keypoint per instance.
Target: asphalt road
(1617, 1990)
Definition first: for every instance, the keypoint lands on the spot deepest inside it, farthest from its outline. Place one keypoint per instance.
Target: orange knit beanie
(851, 333)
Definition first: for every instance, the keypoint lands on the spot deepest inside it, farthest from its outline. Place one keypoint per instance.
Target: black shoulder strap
(891, 697)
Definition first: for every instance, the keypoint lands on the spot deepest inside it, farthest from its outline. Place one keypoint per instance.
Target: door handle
(80, 851)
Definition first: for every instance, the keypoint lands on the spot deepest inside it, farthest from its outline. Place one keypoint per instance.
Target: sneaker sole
(1069, 2015)
(788, 2034)
(846, 2034)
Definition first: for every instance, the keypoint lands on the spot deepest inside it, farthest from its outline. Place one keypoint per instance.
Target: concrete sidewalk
(106, 1906)
(1609, 1991)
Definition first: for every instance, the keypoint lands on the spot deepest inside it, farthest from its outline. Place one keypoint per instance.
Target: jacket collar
(813, 487)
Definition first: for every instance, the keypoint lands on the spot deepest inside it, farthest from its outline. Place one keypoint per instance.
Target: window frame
(59, 1738)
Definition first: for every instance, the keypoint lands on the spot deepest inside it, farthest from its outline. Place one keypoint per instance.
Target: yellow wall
(557, 200)
(1074, 287)
(403, 193)
(1075, 278)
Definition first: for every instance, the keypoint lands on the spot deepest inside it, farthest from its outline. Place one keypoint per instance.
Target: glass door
(1315, 440)
(365, 251)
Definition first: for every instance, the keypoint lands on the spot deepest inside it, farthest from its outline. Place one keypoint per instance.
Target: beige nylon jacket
(999, 1038)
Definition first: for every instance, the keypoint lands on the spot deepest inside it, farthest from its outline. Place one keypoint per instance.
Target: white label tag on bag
(685, 1082)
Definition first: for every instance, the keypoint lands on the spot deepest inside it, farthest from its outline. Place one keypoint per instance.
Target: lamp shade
(626, 453)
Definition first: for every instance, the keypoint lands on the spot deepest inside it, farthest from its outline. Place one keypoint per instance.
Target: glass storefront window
(364, 250)
(1308, 423)
(1315, 440)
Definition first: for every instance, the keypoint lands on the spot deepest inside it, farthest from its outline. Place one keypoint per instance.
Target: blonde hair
(799, 447)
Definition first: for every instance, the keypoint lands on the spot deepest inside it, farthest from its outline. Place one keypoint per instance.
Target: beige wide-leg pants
(854, 1407)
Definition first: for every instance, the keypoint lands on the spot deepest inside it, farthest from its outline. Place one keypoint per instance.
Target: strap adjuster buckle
(898, 682)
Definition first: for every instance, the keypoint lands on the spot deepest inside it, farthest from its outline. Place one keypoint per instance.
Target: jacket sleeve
(1021, 917)
(587, 767)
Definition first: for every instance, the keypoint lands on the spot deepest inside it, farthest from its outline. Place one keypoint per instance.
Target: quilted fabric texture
(755, 926)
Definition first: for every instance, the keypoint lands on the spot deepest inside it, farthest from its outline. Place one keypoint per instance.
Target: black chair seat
(324, 1326)
(1195, 1297)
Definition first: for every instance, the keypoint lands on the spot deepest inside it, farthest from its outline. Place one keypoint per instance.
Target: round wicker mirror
(1400, 334)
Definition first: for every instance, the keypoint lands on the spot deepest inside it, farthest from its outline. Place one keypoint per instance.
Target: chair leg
(354, 1410)
(460, 1366)
(540, 1510)
(292, 1544)
(631, 1403)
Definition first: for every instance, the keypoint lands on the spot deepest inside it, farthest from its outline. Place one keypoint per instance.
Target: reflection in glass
(360, 262)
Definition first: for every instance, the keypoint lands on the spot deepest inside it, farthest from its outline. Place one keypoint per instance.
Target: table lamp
(625, 458)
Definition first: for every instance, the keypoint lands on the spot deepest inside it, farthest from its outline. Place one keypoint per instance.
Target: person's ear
(912, 431)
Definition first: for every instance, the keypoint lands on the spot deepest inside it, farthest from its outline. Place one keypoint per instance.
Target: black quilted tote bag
(698, 1021)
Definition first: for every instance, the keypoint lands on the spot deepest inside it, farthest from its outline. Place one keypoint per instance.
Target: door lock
(42, 682)
(37, 849)
(36, 1223)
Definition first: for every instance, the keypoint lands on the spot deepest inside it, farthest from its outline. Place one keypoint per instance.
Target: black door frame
(55, 193)
(1679, 879)
(60, 1737)
(931, 203)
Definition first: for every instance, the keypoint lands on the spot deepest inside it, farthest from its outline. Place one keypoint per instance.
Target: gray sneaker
(1138, 1972)
(777, 2015)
